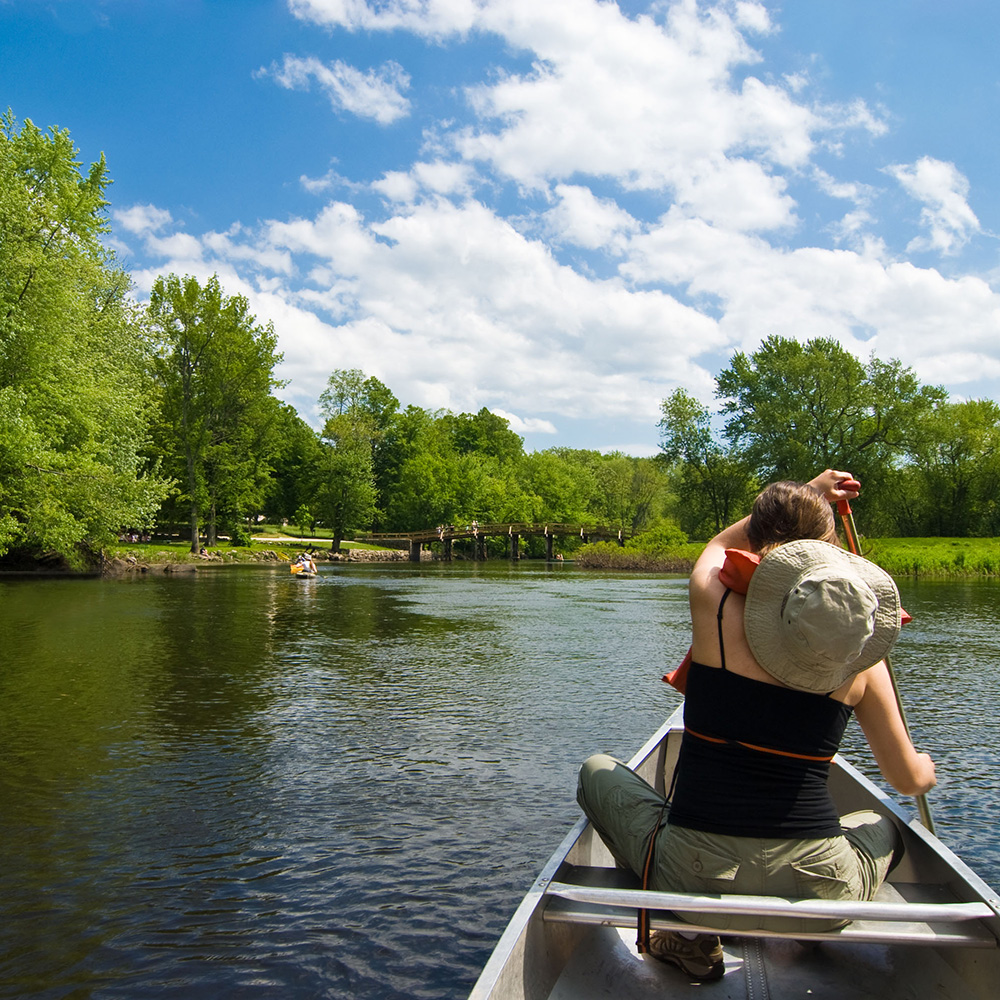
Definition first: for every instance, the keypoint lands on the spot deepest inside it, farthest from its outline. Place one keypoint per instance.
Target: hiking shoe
(700, 958)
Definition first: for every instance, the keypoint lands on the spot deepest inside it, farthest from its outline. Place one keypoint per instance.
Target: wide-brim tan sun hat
(816, 615)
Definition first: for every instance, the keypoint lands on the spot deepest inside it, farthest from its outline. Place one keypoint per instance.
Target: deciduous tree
(75, 397)
(794, 408)
(954, 471)
(295, 466)
(713, 482)
(215, 366)
(629, 492)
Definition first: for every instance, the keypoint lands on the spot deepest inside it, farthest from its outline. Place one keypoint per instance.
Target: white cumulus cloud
(141, 219)
(373, 94)
(531, 425)
(943, 190)
(592, 221)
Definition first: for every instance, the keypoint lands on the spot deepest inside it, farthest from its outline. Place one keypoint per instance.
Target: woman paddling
(774, 678)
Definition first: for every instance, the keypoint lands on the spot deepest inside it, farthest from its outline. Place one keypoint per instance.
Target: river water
(243, 784)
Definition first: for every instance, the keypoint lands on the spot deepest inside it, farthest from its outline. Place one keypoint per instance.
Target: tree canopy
(714, 483)
(215, 369)
(928, 466)
(75, 400)
(794, 408)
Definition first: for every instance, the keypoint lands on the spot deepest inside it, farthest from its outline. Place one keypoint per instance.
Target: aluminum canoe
(932, 932)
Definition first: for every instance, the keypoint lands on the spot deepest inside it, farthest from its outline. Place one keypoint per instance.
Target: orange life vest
(735, 574)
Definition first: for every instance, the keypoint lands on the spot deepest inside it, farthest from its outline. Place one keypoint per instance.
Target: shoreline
(905, 559)
(117, 567)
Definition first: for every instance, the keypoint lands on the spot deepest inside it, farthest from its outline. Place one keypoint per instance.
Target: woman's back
(755, 758)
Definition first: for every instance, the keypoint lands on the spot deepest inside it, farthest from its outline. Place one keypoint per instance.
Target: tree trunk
(195, 546)
(191, 481)
(211, 528)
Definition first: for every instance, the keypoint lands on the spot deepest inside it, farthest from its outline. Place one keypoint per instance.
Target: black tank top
(755, 757)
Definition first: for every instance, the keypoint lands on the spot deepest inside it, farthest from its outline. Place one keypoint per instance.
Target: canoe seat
(901, 913)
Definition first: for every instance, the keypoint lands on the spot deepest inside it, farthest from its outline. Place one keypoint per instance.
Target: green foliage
(796, 409)
(240, 536)
(953, 482)
(345, 497)
(608, 555)
(304, 519)
(360, 415)
(629, 491)
(713, 484)
(557, 486)
(926, 465)
(75, 397)
(665, 537)
(294, 464)
(218, 420)
(663, 548)
(483, 433)
(450, 469)
(935, 557)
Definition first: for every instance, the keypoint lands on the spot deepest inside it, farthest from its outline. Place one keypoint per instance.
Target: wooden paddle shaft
(847, 516)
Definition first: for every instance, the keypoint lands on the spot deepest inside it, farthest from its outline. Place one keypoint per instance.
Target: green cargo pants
(624, 809)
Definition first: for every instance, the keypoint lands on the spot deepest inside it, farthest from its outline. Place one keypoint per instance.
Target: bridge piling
(475, 536)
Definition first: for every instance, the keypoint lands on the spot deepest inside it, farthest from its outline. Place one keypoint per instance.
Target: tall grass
(608, 555)
(935, 557)
(926, 558)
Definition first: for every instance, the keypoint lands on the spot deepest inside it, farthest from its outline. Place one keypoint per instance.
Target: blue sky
(560, 210)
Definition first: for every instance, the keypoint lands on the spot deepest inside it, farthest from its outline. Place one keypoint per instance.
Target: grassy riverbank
(935, 557)
(925, 558)
(175, 554)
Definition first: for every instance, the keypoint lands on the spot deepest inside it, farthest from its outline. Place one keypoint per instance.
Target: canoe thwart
(772, 906)
(968, 934)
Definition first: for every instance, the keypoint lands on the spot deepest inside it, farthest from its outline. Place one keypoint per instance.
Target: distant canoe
(932, 932)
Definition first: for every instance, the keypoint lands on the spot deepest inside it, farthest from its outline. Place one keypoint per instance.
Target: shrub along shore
(176, 557)
(914, 558)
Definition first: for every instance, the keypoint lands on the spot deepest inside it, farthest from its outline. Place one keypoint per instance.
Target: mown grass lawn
(285, 542)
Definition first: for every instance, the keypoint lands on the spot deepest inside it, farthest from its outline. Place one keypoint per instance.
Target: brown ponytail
(786, 511)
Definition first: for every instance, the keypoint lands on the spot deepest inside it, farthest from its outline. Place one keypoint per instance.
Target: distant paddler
(304, 564)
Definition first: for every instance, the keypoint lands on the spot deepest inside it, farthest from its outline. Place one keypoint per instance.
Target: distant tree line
(374, 466)
(119, 418)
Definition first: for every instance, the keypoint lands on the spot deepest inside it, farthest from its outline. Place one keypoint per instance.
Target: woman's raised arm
(907, 770)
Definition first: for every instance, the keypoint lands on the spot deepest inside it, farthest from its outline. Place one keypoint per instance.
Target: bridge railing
(494, 529)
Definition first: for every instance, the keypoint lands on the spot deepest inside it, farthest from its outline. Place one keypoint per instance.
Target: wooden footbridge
(445, 534)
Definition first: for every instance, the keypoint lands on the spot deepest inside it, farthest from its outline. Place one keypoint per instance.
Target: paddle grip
(844, 506)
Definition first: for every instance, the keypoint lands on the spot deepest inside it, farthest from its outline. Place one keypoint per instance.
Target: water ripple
(235, 786)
